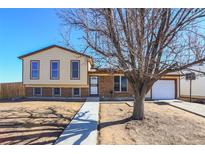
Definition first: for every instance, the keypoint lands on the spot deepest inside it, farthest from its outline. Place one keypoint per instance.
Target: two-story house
(58, 72)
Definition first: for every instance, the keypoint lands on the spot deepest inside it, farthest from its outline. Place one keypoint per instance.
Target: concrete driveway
(195, 108)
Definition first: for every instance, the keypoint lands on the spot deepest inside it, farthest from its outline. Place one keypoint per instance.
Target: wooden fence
(12, 90)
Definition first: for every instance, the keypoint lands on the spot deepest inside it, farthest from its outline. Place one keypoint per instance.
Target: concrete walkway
(198, 109)
(195, 108)
(83, 128)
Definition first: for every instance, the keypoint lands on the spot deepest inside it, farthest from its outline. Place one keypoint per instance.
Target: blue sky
(23, 31)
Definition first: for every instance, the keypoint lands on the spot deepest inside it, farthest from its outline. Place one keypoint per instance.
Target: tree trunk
(138, 111)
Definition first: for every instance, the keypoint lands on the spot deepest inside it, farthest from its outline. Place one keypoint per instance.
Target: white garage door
(163, 89)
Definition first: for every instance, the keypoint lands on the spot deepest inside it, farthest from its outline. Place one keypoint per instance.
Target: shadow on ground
(160, 103)
(26, 126)
(80, 129)
(111, 123)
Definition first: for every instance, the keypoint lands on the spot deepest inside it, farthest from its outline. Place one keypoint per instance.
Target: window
(56, 92)
(76, 91)
(35, 66)
(120, 83)
(75, 69)
(123, 83)
(37, 91)
(55, 69)
(117, 83)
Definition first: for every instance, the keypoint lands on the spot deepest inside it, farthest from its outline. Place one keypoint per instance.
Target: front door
(93, 85)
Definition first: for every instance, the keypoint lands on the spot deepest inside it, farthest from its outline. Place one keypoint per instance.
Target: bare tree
(145, 43)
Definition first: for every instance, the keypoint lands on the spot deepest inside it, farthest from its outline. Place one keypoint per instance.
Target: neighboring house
(60, 72)
(198, 85)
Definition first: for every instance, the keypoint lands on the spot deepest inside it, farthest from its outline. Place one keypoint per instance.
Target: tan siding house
(57, 72)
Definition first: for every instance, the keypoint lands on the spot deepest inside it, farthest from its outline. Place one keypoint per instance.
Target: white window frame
(120, 77)
(54, 94)
(37, 94)
(38, 69)
(76, 95)
(58, 70)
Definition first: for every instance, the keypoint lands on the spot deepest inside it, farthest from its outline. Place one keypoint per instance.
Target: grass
(34, 122)
(163, 124)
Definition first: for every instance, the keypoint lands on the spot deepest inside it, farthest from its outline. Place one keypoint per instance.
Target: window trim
(51, 61)
(120, 91)
(121, 84)
(37, 94)
(54, 94)
(76, 95)
(71, 70)
(32, 78)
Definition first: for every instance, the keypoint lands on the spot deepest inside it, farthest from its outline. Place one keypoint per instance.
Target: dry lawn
(34, 122)
(164, 124)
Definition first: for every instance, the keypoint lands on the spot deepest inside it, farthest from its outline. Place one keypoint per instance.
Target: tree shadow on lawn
(23, 129)
(160, 103)
(123, 121)
(117, 122)
(32, 126)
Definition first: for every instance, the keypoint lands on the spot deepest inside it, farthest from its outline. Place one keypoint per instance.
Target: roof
(117, 71)
(52, 46)
(105, 70)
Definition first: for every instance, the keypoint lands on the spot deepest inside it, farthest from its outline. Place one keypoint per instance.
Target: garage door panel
(163, 89)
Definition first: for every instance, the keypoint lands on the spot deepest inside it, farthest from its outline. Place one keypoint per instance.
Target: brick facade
(65, 92)
(84, 92)
(106, 86)
(105, 90)
(46, 92)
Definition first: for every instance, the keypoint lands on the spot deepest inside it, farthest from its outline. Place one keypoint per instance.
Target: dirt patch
(163, 124)
(34, 122)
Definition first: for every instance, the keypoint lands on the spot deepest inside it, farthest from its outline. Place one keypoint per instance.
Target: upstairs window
(75, 69)
(35, 66)
(120, 84)
(55, 64)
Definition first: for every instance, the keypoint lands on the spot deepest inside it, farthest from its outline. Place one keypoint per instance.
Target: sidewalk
(198, 109)
(195, 108)
(83, 128)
